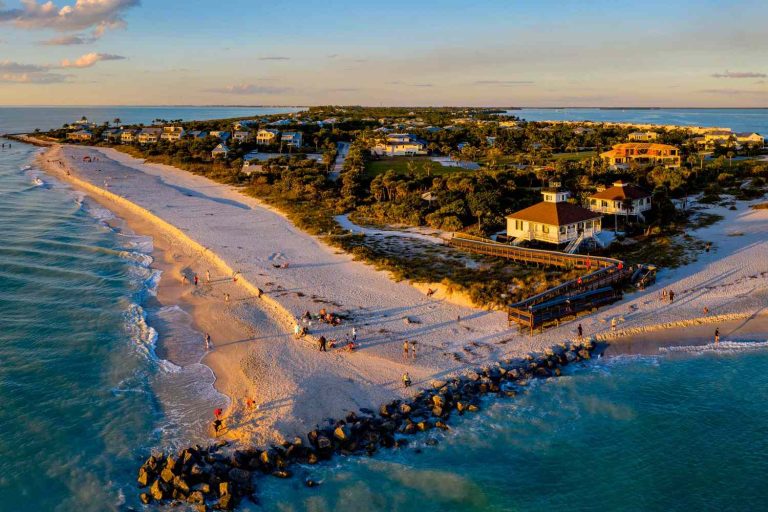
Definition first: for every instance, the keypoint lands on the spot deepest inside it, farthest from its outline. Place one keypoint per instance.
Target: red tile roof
(555, 214)
(618, 192)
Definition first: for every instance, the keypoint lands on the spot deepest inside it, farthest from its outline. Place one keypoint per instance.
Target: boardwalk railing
(587, 292)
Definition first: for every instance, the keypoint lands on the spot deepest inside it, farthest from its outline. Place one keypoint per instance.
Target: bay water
(84, 396)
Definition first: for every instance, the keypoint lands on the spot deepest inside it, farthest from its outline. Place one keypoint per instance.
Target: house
(172, 133)
(266, 137)
(150, 135)
(643, 136)
(750, 139)
(621, 199)
(81, 135)
(642, 153)
(129, 136)
(242, 126)
(718, 138)
(292, 139)
(112, 134)
(196, 134)
(222, 150)
(282, 122)
(554, 220)
(243, 136)
(400, 144)
(223, 136)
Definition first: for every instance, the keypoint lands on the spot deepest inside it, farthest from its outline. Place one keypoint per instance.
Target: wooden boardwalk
(595, 288)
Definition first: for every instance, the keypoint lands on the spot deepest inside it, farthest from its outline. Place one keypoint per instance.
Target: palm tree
(730, 158)
(116, 121)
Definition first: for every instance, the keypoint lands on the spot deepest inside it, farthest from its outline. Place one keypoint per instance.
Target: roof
(621, 191)
(642, 145)
(555, 214)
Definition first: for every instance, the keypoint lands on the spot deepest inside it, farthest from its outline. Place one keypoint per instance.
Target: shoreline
(174, 256)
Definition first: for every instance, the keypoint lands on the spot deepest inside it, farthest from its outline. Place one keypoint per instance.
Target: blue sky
(438, 52)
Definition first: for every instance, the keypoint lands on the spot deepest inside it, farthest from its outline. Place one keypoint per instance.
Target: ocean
(85, 397)
(737, 119)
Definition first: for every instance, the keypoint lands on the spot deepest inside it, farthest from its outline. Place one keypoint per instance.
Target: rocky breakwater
(220, 476)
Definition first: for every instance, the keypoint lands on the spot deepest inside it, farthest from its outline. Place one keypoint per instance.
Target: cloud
(15, 72)
(245, 89)
(83, 14)
(734, 92)
(504, 83)
(274, 58)
(739, 74)
(75, 39)
(420, 85)
(89, 59)
(344, 89)
(333, 55)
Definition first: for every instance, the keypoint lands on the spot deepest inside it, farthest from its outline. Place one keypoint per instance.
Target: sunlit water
(85, 397)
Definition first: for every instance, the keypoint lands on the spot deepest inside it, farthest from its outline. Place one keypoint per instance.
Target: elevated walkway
(590, 291)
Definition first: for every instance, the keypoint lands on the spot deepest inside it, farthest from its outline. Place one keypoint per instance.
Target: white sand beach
(209, 226)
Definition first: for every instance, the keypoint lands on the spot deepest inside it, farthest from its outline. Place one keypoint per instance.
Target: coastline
(295, 387)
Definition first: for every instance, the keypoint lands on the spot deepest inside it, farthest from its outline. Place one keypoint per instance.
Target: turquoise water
(738, 119)
(653, 434)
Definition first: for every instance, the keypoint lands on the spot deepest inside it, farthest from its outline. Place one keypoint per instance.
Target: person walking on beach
(196, 280)
(296, 331)
(413, 350)
(717, 335)
(207, 276)
(580, 331)
(354, 334)
(184, 279)
(671, 296)
(406, 380)
(323, 343)
(207, 341)
(405, 349)
(613, 324)
(226, 297)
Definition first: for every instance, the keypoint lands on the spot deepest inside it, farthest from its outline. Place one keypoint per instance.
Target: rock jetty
(220, 476)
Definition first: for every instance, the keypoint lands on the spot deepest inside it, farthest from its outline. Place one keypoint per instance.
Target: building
(267, 137)
(719, 138)
(150, 135)
(80, 135)
(197, 134)
(642, 153)
(621, 199)
(129, 136)
(243, 136)
(220, 151)
(112, 134)
(554, 220)
(292, 139)
(223, 136)
(172, 133)
(242, 126)
(400, 144)
(750, 139)
(643, 136)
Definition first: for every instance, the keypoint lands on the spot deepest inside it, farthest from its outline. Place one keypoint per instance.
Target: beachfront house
(643, 136)
(750, 139)
(400, 144)
(242, 126)
(172, 133)
(621, 199)
(81, 135)
(292, 139)
(642, 153)
(266, 137)
(220, 151)
(719, 138)
(129, 136)
(112, 134)
(150, 135)
(222, 135)
(243, 136)
(197, 134)
(554, 221)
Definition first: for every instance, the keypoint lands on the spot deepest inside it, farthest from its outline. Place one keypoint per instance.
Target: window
(544, 228)
(594, 202)
(604, 204)
(518, 225)
(562, 230)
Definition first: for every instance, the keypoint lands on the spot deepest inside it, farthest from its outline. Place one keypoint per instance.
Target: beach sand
(198, 224)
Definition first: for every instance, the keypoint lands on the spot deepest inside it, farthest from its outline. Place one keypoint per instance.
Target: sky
(676, 53)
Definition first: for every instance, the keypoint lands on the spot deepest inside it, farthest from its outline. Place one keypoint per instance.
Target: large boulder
(158, 490)
(240, 476)
(145, 476)
(342, 433)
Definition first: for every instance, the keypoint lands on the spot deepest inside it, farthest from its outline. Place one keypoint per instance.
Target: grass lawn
(581, 155)
(399, 164)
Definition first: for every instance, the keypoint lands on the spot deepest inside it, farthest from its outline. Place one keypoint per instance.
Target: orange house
(643, 153)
